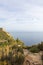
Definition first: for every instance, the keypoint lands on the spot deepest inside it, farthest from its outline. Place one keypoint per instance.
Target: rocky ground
(32, 58)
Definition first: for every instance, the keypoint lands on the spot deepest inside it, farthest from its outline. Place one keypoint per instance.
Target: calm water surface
(28, 38)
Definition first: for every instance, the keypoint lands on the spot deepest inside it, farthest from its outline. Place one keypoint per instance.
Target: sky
(21, 15)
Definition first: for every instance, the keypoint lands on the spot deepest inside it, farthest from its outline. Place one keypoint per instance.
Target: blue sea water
(29, 38)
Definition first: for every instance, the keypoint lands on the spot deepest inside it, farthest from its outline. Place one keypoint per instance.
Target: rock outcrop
(32, 59)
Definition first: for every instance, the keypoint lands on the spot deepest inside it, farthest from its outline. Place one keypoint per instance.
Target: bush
(20, 49)
(40, 46)
(26, 47)
(34, 49)
(15, 58)
(42, 57)
(18, 58)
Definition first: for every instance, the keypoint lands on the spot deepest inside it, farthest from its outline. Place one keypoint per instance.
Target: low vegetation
(11, 51)
(35, 48)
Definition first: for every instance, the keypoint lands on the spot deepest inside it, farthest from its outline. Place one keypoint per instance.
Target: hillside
(11, 51)
(14, 52)
(6, 38)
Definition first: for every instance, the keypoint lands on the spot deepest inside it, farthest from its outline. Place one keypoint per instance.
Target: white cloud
(26, 15)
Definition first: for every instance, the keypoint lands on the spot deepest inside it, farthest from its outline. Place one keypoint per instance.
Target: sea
(29, 38)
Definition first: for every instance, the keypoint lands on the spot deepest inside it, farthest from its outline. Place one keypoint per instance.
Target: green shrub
(15, 58)
(40, 46)
(20, 49)
(34, 49)
(26, 47)
(18, 59)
